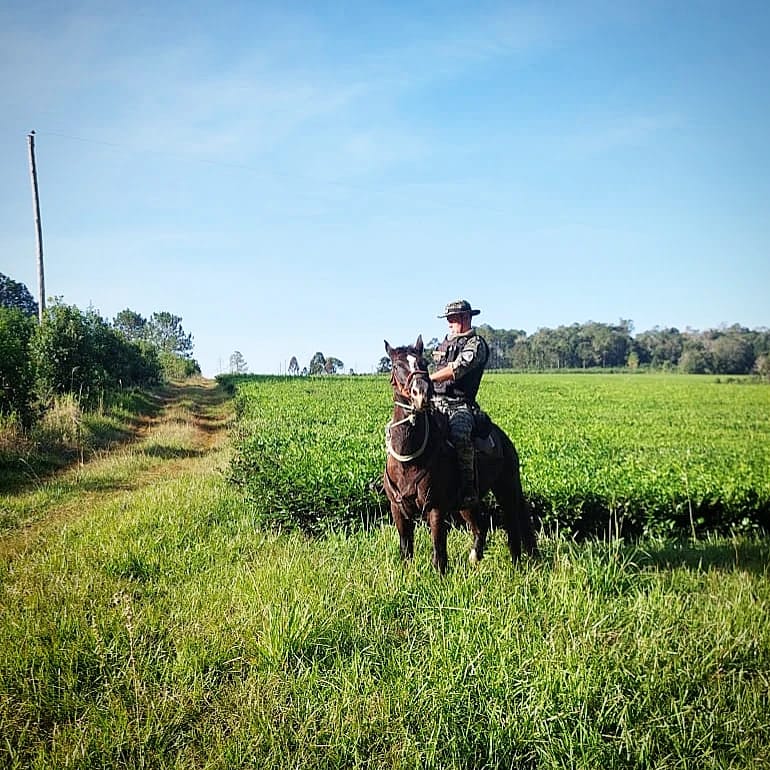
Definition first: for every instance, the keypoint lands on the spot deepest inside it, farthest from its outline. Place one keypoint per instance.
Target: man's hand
(445, 374)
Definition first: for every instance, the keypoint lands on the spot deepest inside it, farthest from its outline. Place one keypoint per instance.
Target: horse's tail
(521, 505)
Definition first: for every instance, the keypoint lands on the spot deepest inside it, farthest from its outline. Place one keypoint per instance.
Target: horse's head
(409, 374)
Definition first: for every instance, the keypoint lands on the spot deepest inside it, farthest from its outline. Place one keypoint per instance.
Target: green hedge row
(601, 454)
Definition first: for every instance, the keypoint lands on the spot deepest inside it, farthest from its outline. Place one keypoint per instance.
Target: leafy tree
(176, 367)
(64, 355)
(78, 352)
(615, 344)
(132, 325)
(165, 331)
(163, 335)
(293, 366)
(16, 295)
(16, 330)
(317, 363)
(333, 365)
(428, 353)
(585, 351)
(544, 354)
(238, 363)
(501, 344)
(694, 358)
(659, 347)
(138, 364)
(760, 339)
(732, 354)
(385, 365)
(762, 366)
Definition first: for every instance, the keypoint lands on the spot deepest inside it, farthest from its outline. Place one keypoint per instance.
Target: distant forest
(728, 350)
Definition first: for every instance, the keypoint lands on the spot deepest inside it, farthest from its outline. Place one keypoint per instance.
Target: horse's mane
(406, 350)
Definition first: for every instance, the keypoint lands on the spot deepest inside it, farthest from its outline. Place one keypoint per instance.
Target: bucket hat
(457, 307)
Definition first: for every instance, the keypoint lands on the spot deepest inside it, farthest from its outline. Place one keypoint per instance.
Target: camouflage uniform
(467, 354)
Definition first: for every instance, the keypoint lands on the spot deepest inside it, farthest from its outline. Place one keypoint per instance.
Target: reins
(410, 418)
(403, 390)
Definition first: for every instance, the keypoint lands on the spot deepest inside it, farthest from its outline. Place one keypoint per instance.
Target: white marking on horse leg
(473, 557)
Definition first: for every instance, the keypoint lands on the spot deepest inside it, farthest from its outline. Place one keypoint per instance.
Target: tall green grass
(68, 433)
(161, 627)
(166, 630)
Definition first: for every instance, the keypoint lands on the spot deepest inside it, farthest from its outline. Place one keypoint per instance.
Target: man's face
(458, 323)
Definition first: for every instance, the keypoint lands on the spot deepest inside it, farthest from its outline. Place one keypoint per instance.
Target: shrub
(16, 329)
(176, 367)
(80, 353)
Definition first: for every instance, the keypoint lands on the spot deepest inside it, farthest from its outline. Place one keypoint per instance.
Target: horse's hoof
(473, 557)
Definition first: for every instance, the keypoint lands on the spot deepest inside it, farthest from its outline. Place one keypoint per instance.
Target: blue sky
(295, 177)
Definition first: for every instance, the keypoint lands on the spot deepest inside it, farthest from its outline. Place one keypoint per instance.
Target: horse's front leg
(478, 523)
(405, 527)
(438, 531)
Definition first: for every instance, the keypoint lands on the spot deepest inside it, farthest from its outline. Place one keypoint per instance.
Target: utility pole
(38, 226)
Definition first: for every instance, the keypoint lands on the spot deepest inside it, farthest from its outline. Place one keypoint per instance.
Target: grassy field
(146, 621)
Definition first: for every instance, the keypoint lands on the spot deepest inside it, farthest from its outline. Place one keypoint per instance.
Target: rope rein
(411, 417)
(389, 446)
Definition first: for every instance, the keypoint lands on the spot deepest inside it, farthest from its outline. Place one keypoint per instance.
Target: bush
(80, 353)
(65, 354)
(175, 367)
(16, 329)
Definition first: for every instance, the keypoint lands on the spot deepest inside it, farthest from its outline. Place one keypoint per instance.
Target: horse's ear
(388, 349)
(418, 346)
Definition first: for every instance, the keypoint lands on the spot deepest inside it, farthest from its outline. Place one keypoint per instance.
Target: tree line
(79, 352)
(727, 350)
(319, 364)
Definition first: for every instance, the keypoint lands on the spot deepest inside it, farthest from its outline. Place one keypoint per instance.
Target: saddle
(484, 435)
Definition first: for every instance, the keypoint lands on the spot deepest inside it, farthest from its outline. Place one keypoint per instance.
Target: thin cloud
(601, 134)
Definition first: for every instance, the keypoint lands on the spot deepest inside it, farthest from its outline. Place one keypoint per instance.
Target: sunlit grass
(123, 467)
(159, 627)
(165, 630)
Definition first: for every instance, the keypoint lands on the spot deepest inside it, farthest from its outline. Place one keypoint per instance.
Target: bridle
(411, 410)
(403, 390)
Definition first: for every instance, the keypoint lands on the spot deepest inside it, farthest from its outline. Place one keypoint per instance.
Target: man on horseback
(461, 359)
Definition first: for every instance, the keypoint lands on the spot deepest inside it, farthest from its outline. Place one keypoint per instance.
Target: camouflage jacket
(467, 354)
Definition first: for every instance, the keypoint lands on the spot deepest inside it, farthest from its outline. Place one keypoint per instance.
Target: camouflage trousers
(461, 433)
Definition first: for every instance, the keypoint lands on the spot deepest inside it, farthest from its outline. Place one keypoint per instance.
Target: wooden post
(38, 226)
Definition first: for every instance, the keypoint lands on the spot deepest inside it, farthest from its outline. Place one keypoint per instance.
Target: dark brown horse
(421, 476)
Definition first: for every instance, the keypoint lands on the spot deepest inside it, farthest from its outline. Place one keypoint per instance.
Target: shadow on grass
(171, 452)
(101, 484)
(20, 474)
(616, 567)
(738, 555)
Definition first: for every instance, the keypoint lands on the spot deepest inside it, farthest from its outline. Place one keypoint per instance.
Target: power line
(370, 189)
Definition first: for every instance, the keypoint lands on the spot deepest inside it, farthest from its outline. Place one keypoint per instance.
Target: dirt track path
(187, 435)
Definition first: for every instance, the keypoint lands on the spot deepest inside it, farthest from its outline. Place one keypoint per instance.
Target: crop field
(600, 454)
